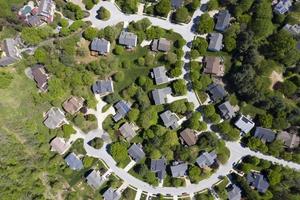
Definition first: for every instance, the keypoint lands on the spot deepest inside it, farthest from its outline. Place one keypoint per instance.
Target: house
(46, 10)
(223, 20)
(34, 21)
(160, 95)
(161, 45)
(127, 131)
(234, 193)
(103, 87)
(292, 29)
(159, 75)
(73, 104)
(94, 179)
(9, 52)
(264, 134)
(59, 145)
(214, 66)
(128, 39)
(215, 42)
(170, 119)
(111, 194)
(206, 159)
(136, 152)
(258, 181)
(176, 3)
(159, 167)
(40, 77)
(226, 110)
(54, 118)
(217, 92)
(188, 136)
(122, 108)
(244, 124)
(74, 162)
(100, 46)
(179, 170)
(283, 6)
(290, 140)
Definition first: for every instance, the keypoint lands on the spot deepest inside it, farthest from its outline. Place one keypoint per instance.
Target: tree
(68, 130)
(118, 150)
(209, 110)
(206, 24)
(194, 174)
(200, 44)
(178, 106)
(119, 76)
(63, 22)
(148, 118)
(180, 43)
(103, 13)
(179, 86)
(133, 114)
(155, 154)
(90, 33)
(176, 71)
(171, 57)
(119, 50)
(265, 120)
(194, 5)
(88, 161)
(41, 55)
(274, 177)
(163, 8)
(262, 28)
(288, 88)
(97, 143)
(182, 15)
(128, 6)
(5, 79)
(170, 139)
(212, 5)
(194, 122)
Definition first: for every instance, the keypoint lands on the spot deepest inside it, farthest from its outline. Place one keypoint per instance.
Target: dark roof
(100, 45)
(103, 87)
(258, 181)
(176, 3)
(215, 42)
(74, 162)
(223, 19)
(264, 134)
(226, 110)
(217, 92)
(188, 136)
(234, 193)
(170, 119)
(136, 152)
(179, 170)
(122, 108)
(40, 76)
(159, 166)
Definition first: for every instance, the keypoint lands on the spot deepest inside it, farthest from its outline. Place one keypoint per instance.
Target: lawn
(6, 5)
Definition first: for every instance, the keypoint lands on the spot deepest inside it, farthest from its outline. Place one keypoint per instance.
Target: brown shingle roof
(40, 76)
(73, 104)
(214, 66)
(188, 136)
(290, 140)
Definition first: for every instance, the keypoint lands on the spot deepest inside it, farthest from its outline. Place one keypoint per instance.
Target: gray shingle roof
(217, 92)
(223, 19)
(215, 42)
(264, 134)
(258, 181)
(128, 39)
(74, 162)
(206, 159)
(111, 194)
(127, 131)
(160, 76)
(179, 170)
(164, 45)
(292, 29)
(159, 166)
(94, 179)
(234, 193)
(9, 47)
(100, 45)
(136, 152)
(226, 110)
(244, 124)
(159, 95)
(103, 87)
(55, 118)
(170, 119)
(122, 108)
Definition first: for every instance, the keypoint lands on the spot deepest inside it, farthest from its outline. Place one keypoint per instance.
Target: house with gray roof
(244, 124)
(94, 179)
(290, 140)
(179, 170)
(283, 6)
(188, 136)
(127, 131)
(264, 134)
(226, 110)
(292, 29)
(136, 152)
(234, 193)
(111, 194)
(9, 52)
(128, 39)
(217, 92)
(223, 20)
(170, 119)
(160, 75)
(100, 46)
(258, 181)
(103, 87)
(215, 42)
(54, 118)
(161, 44)
(177, 3)
(160, 95)
(74, 162)
(46, 10)
(122, 108)
(159, 167)
(59, 145)
(206, 159)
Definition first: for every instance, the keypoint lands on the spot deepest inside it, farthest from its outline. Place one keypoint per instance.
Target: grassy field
(6, 5)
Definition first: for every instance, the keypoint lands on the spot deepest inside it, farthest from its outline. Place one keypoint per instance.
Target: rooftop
(159, 166)
(102, 46)
(234, 193)
(127, 131)
(94, 179)
(258, 181)
(54, 118)
(160, 95)
(223, 20)
(40, 76)
(160, 76)
(103, 87)
(170, 119)
(73, 104)
(226, 110)
(214, 66)
(122, 108)
(244, 124)
(215, 42)
(111, 194)
(188, 136)
(136, 152)
(161, 45)
(179, 170)
(206, 159)
(59, 145)
(290, 140)
(217, 92)
(264, 134)
(74, 162)
(128, 39)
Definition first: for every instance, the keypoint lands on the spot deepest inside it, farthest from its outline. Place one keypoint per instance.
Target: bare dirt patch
(275, 77)
(86, 56)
